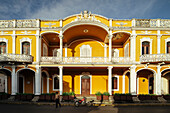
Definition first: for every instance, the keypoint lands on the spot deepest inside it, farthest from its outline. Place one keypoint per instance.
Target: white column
(158, 43)
(38, 81)
(13, 43)
(65, 50)
(48, 84)
(110, 47)
(14, 82)
(37, 48)
(110, 22)
(61, 79)
(133, 80)
(123, 90)
(105, 52)
(133, 47)
(110, 79)
(61, 46)
(158, 81)
(61, 23)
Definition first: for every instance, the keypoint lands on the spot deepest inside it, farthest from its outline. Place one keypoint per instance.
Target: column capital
(61, 37)
(159, 36)
(110, 67)
(133, 67)
(110, 36)
(133, 36)
(60, 67)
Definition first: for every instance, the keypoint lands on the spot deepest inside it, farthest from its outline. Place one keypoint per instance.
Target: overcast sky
(59, 9)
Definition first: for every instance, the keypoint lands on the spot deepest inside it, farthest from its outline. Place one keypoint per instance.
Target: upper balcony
(15, 58)
(154, 58)
(87, 60)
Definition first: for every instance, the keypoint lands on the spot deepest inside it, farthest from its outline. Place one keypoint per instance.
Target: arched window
(126, 50)
(115, 53)
(45, 50)
(85, 51)
(26, 48)
(2, 47)
(145, 47)
(168, 47)
(55, 83)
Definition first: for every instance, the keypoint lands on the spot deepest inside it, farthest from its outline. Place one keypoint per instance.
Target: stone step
(162, 100)
(135, 99)
(35, 99)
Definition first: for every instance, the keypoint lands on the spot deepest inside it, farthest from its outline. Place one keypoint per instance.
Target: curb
(95, 104)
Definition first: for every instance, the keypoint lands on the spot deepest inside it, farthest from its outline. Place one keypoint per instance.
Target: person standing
(57, 100)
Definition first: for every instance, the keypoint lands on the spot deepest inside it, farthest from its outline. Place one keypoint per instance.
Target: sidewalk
(95, 103)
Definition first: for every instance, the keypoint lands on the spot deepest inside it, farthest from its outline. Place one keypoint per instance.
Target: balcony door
(85, 53)
(26, 48)
(145, 47)
(168, 47)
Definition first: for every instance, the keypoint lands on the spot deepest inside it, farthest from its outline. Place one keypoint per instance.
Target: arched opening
(5, 81)
(44, 83)
(145, 47)
(26, 82)
(2, 47)
(165, 82)
(145, 82)
(26, 48)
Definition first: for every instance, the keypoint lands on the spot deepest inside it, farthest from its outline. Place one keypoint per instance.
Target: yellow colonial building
(85, 53)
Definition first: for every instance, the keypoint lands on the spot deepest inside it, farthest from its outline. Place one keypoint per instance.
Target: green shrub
(71, 93)
(106, 94)
(98, 93)
(65, 93)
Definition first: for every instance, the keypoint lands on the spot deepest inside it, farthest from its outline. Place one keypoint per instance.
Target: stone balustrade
(146, 58)
(16, 58)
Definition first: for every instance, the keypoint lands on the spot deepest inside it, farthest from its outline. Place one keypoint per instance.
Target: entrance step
(135, 99)
(35, 99)
(11, 98)
(162, 100)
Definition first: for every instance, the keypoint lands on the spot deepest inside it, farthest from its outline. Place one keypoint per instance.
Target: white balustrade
(15, 58)
(155, 58)
(122, 60)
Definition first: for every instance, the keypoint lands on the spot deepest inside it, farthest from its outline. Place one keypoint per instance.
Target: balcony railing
(16, 58)
(85, 60)
(122, 60)
(154, 58)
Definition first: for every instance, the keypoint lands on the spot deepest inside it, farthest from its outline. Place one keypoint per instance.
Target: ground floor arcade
(85, 80)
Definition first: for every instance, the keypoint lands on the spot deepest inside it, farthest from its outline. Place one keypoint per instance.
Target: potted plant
(71, 95)
(23, 96)
(65, 96)
(129, 97)
(98, 95)
(106, 96)
(116, 97)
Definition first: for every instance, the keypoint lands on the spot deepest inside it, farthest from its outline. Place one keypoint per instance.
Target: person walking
(57, 100)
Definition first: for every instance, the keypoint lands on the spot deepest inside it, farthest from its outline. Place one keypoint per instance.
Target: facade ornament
(146, 32)
(121, 23)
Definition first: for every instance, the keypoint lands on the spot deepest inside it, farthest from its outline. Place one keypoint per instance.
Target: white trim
(146, 39)
(86, 74)
(49, 32)
(166, 40)
(47, 74)
(116, 76)
(137, 85)
(65, 50)
(25, 40)
(55, 75)
(6, 41)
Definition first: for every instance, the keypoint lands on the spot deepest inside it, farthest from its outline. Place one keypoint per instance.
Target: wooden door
(85, 86)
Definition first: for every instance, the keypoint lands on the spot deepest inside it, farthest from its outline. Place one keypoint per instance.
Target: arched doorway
(166, 82)
(85, 84)
(5, 81)
(26, 81)
(45, 82)
(145, 82)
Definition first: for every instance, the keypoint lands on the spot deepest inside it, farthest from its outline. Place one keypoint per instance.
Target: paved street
(10, 108)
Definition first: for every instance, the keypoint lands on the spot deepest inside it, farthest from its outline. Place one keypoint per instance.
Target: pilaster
(61, 79)
(110, 79)
(14, 81)
(38, 80)
(133, 80)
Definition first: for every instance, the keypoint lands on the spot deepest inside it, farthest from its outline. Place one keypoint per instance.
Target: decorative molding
(25, 40)
(166, 41)
(6, 41)
(121, 23)
(146, 39)
(117, 76)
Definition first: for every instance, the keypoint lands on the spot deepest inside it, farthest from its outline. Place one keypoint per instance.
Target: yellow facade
(87, 30)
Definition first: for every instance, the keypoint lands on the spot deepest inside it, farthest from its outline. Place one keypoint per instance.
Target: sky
(60, 9)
